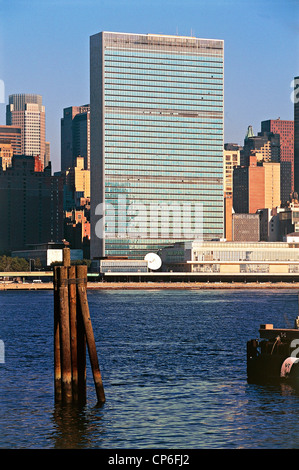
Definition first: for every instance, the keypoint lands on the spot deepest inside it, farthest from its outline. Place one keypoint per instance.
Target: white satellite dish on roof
(153, 261)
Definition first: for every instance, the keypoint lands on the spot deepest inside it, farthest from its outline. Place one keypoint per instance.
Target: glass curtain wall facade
(156, 109)
(296, 134)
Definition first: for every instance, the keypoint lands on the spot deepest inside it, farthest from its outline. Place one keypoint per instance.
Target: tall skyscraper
(27, 112)
(296, 135)
(75, 136)
(156, 112)
(285, 130)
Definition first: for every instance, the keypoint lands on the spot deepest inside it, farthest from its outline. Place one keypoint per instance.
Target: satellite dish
(154, 261)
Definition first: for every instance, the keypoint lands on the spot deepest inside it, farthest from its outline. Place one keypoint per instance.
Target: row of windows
(128, 140)
(155, 205)
(202, 78)
(128, 104)
(160, 184)
(207, 185)
(146, 88)
(173, 120)
(158, 159)
(169, 127)
(158, 67)
(275, 255)
(166, 166)
(152, 223)
(197, 70)
(186, 154)
(164, 98)
(141, 97)
(162, 57)
(187, 93)
(194, 193)
(161, 81)
(145, 171)
(151, 132)
(212, 83)
(143, 54)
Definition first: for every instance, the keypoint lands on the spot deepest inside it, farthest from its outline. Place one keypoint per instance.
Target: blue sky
(44, 49)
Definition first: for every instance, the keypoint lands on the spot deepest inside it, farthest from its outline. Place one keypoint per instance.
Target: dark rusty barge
(274, 357)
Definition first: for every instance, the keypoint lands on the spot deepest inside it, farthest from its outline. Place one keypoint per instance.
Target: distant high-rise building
(27, 112)
(77, 183)
(266, 146)
(6, 154)
(12, 134)
(75, 136)
(249, 188)
(156, 140)
(296, 135)
(47, 154)
(285, 130)
(31, 205)
(231, 160)
(255, 186)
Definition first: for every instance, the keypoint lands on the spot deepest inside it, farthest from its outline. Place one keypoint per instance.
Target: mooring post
(81, 339)
(73, 328)
(57, 357)
(65, 343)
(66, 253)
(72, 331)
(82, 293)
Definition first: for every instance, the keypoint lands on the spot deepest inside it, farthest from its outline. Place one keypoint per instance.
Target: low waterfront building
(231, 258)
(123, 266)
(289, 219)
(47, 253)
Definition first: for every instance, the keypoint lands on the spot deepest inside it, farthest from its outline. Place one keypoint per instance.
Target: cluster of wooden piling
(72, 333)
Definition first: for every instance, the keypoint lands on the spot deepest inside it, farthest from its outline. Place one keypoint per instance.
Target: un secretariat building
(156, 113)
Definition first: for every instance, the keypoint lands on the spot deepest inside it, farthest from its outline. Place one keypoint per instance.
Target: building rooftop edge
(159, 35)
(226, 243)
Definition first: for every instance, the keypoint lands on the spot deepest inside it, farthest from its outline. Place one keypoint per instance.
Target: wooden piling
(65, 342)
(57, 358)
(72, 332)
(91, 344)
(66, 253)
(73, 328)
(81, 338)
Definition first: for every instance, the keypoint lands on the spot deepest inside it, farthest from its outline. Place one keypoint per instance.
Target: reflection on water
(75, 427)
(173, 365)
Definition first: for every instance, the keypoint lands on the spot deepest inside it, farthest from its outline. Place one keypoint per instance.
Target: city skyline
(261, 53)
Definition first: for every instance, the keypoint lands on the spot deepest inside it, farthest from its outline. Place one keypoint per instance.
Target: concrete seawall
(159, 285)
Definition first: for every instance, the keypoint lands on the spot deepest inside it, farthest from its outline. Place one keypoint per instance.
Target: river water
(173, 365)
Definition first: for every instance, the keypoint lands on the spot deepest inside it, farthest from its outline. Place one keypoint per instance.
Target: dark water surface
(173, 364)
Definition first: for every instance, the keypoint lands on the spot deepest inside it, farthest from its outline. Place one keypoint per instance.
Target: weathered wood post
(57, 357)
(65, 343)
(81, 280)
(73, 328)
(82, 294)
(66, 252)
(72, 331)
